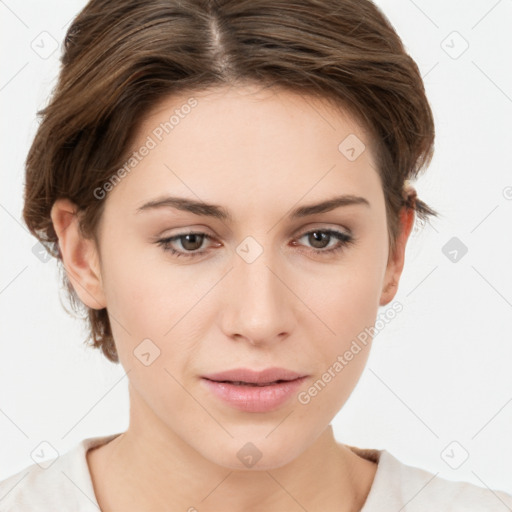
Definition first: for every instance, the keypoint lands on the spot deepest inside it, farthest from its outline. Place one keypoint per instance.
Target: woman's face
(266, 284)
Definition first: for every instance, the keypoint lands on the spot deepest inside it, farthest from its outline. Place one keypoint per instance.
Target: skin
(258, 154)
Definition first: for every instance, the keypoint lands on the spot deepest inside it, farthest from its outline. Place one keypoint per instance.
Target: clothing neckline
(383, 459)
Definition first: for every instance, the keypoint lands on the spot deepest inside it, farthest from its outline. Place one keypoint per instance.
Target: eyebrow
(221, 213)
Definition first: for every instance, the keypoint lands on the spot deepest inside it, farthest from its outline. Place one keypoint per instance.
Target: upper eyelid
(296, 232)
(299, 234)
(340, 229)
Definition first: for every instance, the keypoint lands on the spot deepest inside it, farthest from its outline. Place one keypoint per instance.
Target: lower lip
(255, 398)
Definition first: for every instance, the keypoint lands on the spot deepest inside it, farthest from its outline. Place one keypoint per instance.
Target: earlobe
(79, 255)
(396, 261)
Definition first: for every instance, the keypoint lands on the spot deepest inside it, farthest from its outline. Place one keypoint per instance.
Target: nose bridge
(258, 306)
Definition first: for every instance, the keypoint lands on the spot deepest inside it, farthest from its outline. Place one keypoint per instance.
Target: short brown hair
(122, 57)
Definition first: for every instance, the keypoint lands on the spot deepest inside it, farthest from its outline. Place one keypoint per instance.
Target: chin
(259, 455)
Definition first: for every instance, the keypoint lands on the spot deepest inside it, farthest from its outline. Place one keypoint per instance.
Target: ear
(396, 260)
(79, 255)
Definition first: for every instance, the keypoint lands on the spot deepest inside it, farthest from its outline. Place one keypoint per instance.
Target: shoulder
(425, 489)
(398, 485)
(54, 484)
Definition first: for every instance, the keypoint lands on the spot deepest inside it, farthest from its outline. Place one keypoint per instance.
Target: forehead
(231, 144)
(250, 114)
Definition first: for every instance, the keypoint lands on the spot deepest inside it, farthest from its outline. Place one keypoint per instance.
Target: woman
(227, 186)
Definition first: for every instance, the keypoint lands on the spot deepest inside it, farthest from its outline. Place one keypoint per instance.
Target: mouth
(251, 391)
(248, 377)
(253, 384)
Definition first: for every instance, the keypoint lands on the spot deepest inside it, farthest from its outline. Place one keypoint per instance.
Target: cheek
(347, 302)
(349, 310)
(142, 289)
(346, 297)
(149, 297)
(137, 299)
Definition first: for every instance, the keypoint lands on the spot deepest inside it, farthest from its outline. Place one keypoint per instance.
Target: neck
(150, 467)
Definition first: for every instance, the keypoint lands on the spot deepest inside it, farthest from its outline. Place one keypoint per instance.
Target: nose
(260, 307)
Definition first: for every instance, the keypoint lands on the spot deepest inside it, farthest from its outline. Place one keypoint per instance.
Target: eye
(190, 242)
(321, 238)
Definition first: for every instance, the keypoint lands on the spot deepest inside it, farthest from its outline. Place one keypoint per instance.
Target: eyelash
(344, 239)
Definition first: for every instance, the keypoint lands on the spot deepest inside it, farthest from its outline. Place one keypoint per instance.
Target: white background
(438, 373)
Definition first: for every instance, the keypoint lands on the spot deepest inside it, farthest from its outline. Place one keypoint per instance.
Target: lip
(268, 396)
(254, 377)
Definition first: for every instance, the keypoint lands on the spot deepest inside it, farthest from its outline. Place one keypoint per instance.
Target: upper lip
(254, 377)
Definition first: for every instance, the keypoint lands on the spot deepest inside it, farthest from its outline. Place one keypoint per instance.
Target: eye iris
(316, 237)
(196, 244)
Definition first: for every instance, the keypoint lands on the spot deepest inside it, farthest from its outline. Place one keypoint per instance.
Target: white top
(66, 485)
